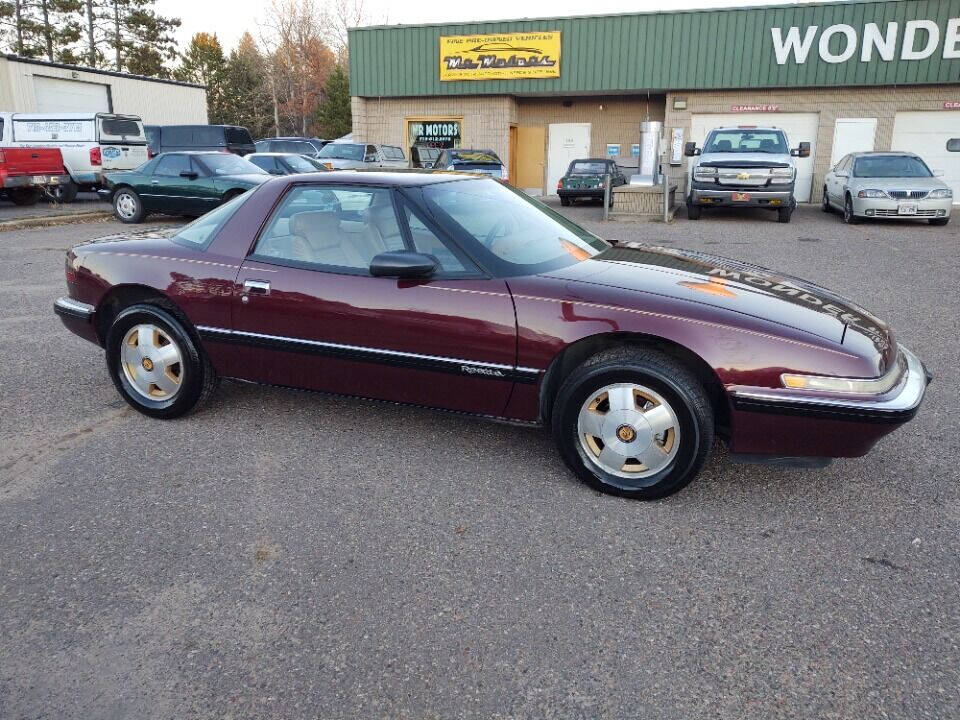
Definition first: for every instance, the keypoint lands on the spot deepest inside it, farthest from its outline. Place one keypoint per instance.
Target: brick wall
(882, 103)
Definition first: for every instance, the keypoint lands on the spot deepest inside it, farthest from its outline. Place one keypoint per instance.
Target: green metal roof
(681, 50)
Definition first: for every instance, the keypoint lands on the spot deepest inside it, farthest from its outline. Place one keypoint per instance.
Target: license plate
(741, 197)
(907, 209)
(39, 180)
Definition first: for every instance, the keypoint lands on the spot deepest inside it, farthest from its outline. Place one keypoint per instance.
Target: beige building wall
(882, 103)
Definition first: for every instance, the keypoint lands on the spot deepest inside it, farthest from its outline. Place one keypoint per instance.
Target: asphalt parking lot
(290, 555)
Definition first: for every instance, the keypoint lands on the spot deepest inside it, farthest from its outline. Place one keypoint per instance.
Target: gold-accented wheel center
(626, 433)
(147, 364)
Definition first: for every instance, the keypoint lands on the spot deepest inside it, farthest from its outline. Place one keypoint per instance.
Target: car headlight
(851, 386)
(705, 172)
(940, 194)
(872, 194)
(782, 176)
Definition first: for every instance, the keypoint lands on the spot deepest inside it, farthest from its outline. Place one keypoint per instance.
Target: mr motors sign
(913, 40)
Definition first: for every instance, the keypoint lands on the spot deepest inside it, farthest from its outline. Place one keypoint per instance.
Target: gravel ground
(289, 555)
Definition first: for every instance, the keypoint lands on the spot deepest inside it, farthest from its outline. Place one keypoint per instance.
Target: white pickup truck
(744, 166)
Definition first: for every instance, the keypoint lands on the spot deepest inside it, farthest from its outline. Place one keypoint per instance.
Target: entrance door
(568, 142)
(307, 313)
(512, 160)
(799, 127)
(852, 135)
(926, 134)
(531, 143)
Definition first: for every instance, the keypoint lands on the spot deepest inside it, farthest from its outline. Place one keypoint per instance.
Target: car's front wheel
(825, 206)
(155, 363)
(633, 422)
(693, 211)
(940, 221)
(849, 217)
(127, 206)
(783, 214)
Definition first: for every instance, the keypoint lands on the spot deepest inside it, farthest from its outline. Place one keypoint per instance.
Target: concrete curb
(54, 220)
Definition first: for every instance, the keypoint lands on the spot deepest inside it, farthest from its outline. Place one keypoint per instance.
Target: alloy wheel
(628, 430)
(152, 362)
(126, 205)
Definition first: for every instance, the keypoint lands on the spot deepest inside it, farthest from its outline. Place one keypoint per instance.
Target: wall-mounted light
(679, 103)
(601, 107)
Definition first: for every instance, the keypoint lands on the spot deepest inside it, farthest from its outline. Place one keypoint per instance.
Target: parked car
(297, 145)
(285, 163)
(179, 138)
(464, 294)
(27, 173)
(353, 156)
(91, 144)
(181, 183)
(584, 180)
(744, 166)
(484, 162)
(886, 185)
(423, 157)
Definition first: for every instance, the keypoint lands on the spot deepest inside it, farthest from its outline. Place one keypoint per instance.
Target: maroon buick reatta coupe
(459, 293)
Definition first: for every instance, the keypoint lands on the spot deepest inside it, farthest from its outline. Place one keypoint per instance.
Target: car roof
(195, 152)
(273, 154)
(389, 178)
(884, 153)
(592, 160)
(290, 137)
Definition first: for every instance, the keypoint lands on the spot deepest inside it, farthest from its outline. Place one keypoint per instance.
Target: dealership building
(845, 77)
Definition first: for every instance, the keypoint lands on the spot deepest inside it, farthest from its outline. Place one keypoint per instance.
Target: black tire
(848, 217)
(783, 214)
(120, 211)
(199, 379)
(940, 221)
(825, 204)
(65, 193)
(693, 211)
(609, 203)
(660, 373)
(25, 196)
(565, 201)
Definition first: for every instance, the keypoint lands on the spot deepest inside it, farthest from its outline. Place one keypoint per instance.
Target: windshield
(891, 166)
(225, 164)
(514, 232)
(299, 163)
(747, 141)
(588, 168)
(343, 151)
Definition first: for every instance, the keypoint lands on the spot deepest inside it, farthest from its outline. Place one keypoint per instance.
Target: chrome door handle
(154, 182)
(260, 287)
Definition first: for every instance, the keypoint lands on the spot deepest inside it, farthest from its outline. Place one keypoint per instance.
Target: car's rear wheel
(127, 206)
(693, 211)
(633, 422)
(565, 201)
(940, 221)
(849, 217)
(65, 193)
(25, 196)
(155, 363)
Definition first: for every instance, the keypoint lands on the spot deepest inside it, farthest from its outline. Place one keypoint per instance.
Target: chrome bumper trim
(68, 307)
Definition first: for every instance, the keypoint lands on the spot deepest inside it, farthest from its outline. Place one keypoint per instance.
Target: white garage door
(926, 134)
(800, 127)
(59, 95)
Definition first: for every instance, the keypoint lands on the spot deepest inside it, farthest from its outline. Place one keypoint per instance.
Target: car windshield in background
(224, 164)
(516, 230)
(891, 166)
(343, 151)
(747, 141)
(588, 168)
(201, 231)
(299, 163)
(115, 127)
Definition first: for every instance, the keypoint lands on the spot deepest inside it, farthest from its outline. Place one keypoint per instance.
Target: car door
(308, 314)
(841, 178)
(167, 190)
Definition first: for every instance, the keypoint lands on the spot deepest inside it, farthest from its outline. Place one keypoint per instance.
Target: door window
(172, 165)
(340, 229)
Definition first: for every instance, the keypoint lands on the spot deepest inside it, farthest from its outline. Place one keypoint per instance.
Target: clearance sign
(500, 57)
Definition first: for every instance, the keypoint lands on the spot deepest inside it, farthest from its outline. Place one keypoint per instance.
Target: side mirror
(953, 145)
(403, 264)
(802, 151)
(690, 149)
(842, 174)
(938, 173)
(189, 174)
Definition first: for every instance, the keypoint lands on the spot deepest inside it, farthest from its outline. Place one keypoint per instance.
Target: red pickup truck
(25, 173)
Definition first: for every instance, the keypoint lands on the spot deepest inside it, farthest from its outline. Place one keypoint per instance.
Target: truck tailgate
(32, 161)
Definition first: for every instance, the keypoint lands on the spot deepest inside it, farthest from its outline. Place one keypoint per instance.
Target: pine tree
(60, 27)
(140, 40)
(334, 116)
(246, 96)
(21, 28)
(205, 64)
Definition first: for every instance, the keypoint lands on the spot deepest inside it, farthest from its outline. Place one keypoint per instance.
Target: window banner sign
(512, 56)
(435, 133)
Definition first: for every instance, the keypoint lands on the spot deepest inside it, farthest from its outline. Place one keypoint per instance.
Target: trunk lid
(32, 161)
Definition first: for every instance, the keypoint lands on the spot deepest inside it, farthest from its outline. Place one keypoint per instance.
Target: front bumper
(821, 425)
(758, 198)
(889, 208)
(77, 317)
(595, 193)
(41, 180)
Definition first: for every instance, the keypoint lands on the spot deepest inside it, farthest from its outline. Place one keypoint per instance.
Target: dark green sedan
(180, 183)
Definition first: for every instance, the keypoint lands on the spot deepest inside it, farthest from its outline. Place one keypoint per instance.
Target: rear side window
(238, 136)
(207, 136)
(200, 233)
(174, 136)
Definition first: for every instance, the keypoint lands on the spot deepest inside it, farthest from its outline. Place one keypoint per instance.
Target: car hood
(924, 184)
(740, 159)
(342, 164)
(737, 287)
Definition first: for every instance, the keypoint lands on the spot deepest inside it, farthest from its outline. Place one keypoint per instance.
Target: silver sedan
(886, 185)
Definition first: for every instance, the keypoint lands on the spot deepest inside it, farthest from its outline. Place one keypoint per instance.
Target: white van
(91, 143)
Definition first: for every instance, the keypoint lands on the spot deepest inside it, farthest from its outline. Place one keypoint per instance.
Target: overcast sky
(230, 18)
